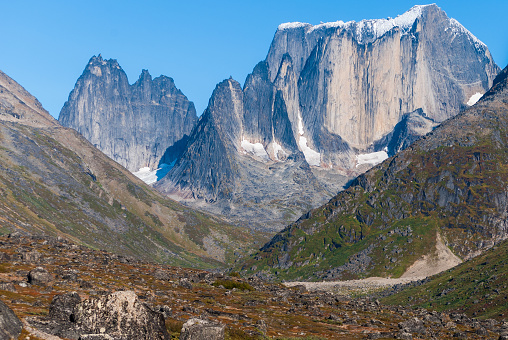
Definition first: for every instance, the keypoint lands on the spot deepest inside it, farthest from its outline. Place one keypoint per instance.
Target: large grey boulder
(10, 325)
(199, 329)
(62, 306)
(40, 276)
(119, 315)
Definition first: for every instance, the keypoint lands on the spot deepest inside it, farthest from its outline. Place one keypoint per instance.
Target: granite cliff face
(356, 80)
(242, 160)
(329, 102)
(449, 186)
(132, 124)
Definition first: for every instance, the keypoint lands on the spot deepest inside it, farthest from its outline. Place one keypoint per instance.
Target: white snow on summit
(376, 27)
(371, 158)
(457, 28)
(292, 25)
(474, 98)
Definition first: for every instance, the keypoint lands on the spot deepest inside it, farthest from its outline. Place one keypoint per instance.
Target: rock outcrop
(132, 124)
(10, 325)
(199, 329)
(242, 160)
(40, 276)
(324, 95)
(119, 315)
(356, 80)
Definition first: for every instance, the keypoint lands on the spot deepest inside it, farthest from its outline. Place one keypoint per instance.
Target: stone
(62, 306)
(31, 256)
(10, 324)
(199, 329)
(413, 325)
(120, 315)
(96, 337)
(40, 276)
(185, 283)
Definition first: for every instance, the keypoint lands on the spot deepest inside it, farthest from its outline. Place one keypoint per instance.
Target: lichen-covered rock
(119, 315)
(199, 329)
(413, 325)
(40, 276)
(10, 325)
(62, 306)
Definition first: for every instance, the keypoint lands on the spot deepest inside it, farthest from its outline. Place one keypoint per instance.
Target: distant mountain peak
(133, 124)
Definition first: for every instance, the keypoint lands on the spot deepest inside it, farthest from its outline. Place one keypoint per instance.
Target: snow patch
(371, 158)
(474, 98)
(378, 27)
(256, 149)
(326, 25)
(312, 157)
(150, 176)
(300, 124)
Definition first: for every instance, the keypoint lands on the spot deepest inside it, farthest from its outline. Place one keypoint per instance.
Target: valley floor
(248, 308)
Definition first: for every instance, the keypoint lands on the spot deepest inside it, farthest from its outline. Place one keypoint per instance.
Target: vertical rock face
(132, 124)
(358, 79)
(324, 100)
(242, 160)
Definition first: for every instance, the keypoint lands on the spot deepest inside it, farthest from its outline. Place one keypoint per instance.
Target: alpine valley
(356, 152)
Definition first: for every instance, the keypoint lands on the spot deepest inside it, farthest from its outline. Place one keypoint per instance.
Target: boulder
(119, 315)
(39, 276)
(413, 325)
(31, 256)
(199, 329)
(62, 306)
(10, 325)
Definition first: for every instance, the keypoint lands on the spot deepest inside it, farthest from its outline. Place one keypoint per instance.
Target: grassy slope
(477, 287)
(453, 181)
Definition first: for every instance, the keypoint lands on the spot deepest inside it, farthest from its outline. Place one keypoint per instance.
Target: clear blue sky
(45, 45)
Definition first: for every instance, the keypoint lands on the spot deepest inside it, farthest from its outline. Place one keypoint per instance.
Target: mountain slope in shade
(133, 124)
(451, 184)
(53, 181)
(242, 160)
(322, 102)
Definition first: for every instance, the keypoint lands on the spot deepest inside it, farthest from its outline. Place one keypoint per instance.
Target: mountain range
(327, 103)
(54, 182)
